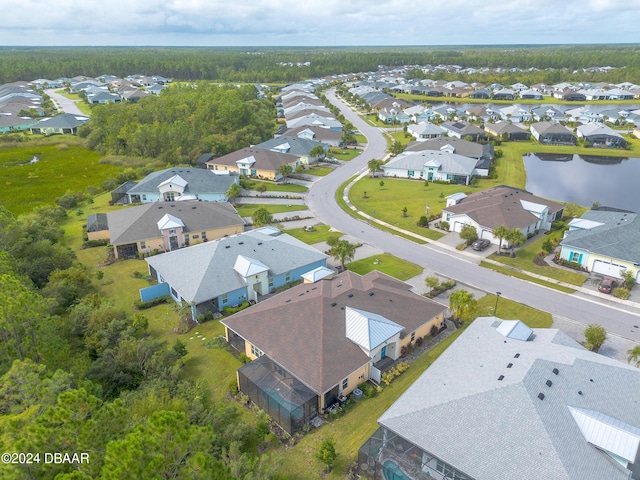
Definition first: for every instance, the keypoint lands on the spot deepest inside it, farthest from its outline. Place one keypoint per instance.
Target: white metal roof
(317, 274)
(175, 180)
(369, 329)
(533, 207)
(247, 266)
(608, 433)
(515, 329)
(169, 221)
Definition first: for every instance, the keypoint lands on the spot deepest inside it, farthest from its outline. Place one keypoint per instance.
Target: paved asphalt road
(321, 201)
(63, 103)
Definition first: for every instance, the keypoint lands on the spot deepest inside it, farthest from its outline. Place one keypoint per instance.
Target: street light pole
(495, 309)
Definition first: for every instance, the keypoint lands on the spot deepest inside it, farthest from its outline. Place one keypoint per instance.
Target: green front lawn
(512, 272)
(345, 154)
(252, 184)
(82, 105)
(318, 171)
(525, 256)
(319, 234)
(510, 310)
(247, 209)
(386, 263)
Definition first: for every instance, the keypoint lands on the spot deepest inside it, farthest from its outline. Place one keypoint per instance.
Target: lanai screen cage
(286, 399)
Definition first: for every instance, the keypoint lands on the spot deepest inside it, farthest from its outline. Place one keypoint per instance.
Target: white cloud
(317, 22)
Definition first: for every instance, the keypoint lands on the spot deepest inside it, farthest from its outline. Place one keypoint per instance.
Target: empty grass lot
(385, 263)
(247, 209)
(62, 166)
(320, 233)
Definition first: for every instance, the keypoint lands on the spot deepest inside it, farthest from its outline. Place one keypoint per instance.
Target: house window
(169, 196)
(575, 257)
(413, 336)
(143, 244)
(186, 238)
(287, 277)
(256, 351)
(345, 383)
(204, 235)
(144, 197)
(225, 298)
(271, 282)
(172, 231)
(254, 173)
(195, 235)
(410, 173)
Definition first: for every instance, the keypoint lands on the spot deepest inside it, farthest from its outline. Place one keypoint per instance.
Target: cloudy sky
(317, 22)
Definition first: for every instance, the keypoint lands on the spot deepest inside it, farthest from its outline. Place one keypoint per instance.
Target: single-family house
(65, 123)
(179, 184)
(547, 113)
(599, 135)
(432, 165)
(530, 94)
(426, 130)
(515, 113)
(502, 206)
(230, 270)
(481, 93)
(297, 146)
(483, 152)
(507, 130)
(103, 97)
(254, 162)
(504, 94)
(314, 119)
(464, 130)
(165, 226)
(525, 403)
(314, 344)
(326, 136)
(605, 242)
(552, 133)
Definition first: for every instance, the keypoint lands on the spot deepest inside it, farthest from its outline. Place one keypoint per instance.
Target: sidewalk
(475, 258)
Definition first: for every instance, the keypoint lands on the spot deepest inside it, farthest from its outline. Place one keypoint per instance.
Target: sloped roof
(64, 120)
(446, 161)
(461, 146)
(502, 205)
(303, 328)
(514, 329)
(198, 181)
(262, 159)
(290, 144)
(316, 274)
(519, 433)
(616, 236)
(368, 329)
(247, 266)
(130, 225)
(169, 221)
(205, 271)
(176, 179)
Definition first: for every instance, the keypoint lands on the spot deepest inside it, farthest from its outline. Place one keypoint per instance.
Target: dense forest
(286, 65)
(182, 123)
(79, 375)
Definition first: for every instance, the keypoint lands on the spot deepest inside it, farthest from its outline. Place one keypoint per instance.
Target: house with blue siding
(230, 270)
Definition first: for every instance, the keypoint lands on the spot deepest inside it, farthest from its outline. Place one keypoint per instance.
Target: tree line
(270, 64)
(79, 374)
(182, 123)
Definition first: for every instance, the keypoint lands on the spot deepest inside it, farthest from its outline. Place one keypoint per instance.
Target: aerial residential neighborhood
(412, 271)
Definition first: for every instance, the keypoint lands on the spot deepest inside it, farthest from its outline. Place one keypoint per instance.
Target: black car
(480, 244)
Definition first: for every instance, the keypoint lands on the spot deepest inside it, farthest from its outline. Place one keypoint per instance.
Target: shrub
(389, 376)
(244, 358)
(621, 292)
(140, 305)
(208, 315)
(215, 342)
(95, 243)
(434, 330)
(423, 221)
(233, 387)
(444, 225)
(368, 390)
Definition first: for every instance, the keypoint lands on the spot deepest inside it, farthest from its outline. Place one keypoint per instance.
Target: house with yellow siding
(605, 242)
(165, 226)
(254, 162)
(312, 345)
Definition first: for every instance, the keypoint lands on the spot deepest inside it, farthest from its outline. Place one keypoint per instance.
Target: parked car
(607, 284)
(480, 244)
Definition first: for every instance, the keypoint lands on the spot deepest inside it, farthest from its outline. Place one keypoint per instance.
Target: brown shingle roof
(501, 206)
(265, 159)
(303, 329)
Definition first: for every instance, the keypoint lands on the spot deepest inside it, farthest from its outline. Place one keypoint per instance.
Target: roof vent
(591, 380)
(240, 243)
(510, 365)
(500, 377)
(549, 383)
(259, 243)
(227, 246)
(541, 396)
(555, 371)
(287, 301)
(193, 208)
(160, 208)
(350, 295)
(371, 294)
(517, 355)
(579, 392)
(333, 304)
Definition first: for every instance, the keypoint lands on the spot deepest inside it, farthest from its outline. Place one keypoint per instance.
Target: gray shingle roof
(199, 181)
(205, 271)
(297, 146)
(616, 238)
(133, 224)
(449, 162)
(489, 428)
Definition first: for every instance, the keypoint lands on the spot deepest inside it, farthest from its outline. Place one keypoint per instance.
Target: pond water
(611, 181)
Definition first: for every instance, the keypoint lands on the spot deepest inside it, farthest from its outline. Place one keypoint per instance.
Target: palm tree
(343, 251)
(634, 356)
(500, 233)
(515, 238)
(234, 191)
(373, 165)
(463, 306)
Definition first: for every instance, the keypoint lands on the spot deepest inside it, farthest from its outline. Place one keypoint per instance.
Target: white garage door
(457, 226)
(607, 268)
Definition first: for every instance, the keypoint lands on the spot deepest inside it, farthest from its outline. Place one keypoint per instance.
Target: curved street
(321, 201)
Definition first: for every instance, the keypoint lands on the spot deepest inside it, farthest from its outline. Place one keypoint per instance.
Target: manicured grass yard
(320, 234)
(251, 184)
(344, 154)
(524, 261)
(318, 171)
(385, 263)
(358, 424)
(247, 209)
(62, 166)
